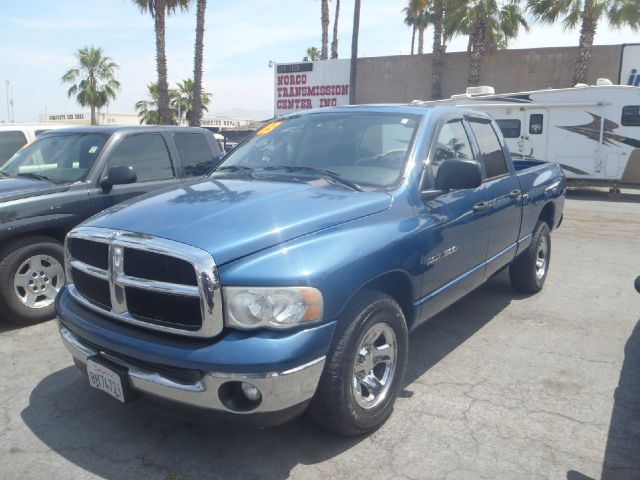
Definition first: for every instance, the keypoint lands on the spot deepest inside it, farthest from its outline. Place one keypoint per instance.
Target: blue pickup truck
(289, 278)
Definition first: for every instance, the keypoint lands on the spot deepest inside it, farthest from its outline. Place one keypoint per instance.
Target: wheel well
(55, 233)
(398, 286)
(547, 214)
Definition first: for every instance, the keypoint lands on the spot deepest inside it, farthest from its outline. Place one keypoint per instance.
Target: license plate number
(105, 379)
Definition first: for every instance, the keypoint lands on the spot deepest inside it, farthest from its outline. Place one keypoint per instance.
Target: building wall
(403, 78)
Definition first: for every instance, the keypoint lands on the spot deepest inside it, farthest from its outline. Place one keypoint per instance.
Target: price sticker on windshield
(269, 128)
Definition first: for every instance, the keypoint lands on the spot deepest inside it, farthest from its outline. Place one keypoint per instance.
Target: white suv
(13, 136)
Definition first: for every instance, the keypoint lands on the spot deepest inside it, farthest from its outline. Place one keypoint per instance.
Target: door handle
(515, 193)
(481, 207)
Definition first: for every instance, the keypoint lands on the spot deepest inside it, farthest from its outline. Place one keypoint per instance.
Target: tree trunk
(93, 115)
(587, 32)
(164, 114)
(196, 113)
(437, 58)
(413, 39)
(334, 41)
(324, 19)
(475, 57)
(354, 52)
(420, 40)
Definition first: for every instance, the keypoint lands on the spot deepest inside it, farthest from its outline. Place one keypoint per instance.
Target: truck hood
(15, 188)
(231, 218)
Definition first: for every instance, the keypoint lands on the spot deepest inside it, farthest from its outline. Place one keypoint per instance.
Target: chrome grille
(148, 281)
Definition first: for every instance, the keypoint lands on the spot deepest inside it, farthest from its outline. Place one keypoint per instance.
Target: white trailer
(592, 132)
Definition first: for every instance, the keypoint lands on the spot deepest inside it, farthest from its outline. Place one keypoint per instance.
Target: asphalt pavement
(499, 386)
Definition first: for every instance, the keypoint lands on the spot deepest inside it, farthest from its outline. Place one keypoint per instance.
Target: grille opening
(95, 254)
(94, 289)
(171, 310)
(155, 266)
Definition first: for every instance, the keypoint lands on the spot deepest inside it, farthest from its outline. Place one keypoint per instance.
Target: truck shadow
(602, 195)
(118, 441)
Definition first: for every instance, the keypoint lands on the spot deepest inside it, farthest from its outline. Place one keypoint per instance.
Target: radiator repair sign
(630, 65)
(303, 86)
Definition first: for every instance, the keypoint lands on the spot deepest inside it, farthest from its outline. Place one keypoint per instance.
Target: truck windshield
(60, 158)
(355, 148)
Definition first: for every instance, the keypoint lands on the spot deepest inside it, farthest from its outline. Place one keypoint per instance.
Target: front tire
(365, 366)
(31, 275)
(528, 272)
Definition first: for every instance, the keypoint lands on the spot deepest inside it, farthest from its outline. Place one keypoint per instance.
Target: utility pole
(354, 53)
(6, 89)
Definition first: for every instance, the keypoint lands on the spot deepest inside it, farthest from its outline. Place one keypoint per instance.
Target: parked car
(291, 276)
(66, 176)
(14, 136)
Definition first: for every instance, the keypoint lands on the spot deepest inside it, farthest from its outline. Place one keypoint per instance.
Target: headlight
(257, 307)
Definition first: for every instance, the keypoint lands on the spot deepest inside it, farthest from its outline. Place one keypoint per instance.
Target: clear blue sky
(38, 38)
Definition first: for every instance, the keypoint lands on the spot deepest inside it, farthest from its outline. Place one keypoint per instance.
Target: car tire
(348, 399)
(528, 271)
(31, 274)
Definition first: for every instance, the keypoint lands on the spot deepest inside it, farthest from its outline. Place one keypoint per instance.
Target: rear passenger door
(502, 192)
(149, 155)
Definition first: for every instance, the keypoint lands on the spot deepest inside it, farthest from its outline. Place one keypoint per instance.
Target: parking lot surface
(499, 386)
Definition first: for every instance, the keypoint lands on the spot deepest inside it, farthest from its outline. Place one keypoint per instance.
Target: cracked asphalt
(499, 386)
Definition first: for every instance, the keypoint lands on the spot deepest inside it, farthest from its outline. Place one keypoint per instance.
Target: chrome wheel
(541, 257)
(374, 366)
(38, 280)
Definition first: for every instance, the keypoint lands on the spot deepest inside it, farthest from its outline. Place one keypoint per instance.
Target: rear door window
(195, 153)
(147, 153)
(10, 143)
(536, 123)
(490, 148)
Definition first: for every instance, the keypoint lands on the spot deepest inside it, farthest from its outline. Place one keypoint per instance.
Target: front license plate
(105, 379)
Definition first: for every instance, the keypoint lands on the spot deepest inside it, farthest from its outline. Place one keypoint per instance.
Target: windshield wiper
(33, 175)
(319, 171)
(235, 169)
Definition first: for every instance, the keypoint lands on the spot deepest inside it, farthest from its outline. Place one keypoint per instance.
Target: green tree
(313, 54)
(334, 41)
(182, 98)
(324, 21)
(93, 79)
(439, 47)
(417, 16)
(587, 14)
(159, 9)
(489, 26)
(148, 109)
(410, 21)
(196, 115)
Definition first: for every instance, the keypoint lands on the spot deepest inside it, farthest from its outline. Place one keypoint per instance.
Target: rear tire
(365, 366)
(528, 271)
(31, 274)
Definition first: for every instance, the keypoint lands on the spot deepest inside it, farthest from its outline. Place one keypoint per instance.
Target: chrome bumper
(280, 390)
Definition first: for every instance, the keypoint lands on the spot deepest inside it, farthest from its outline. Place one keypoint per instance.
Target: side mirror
(458, 174)
(637, 284)
(118, 175)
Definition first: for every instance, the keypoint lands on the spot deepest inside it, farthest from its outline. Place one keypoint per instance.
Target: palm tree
(489, 26)
(182, 100)
(587, 14)
(159, 9)
(313, 54)
(410, 21)
(148, 109)
(438, 49)
(334, 41)
(417, 16)
(354, 52)
(324, 20)
(196, 115)
(93, 78)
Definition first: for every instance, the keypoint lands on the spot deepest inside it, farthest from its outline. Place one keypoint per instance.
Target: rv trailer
(592, 132)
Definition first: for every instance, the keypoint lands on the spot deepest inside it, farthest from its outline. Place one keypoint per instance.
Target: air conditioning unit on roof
(481, 90)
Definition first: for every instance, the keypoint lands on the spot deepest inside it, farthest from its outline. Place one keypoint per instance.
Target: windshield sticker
(93, 149)
(269, 128)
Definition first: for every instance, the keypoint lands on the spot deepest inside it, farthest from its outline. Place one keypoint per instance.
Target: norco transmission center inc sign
(303, 86)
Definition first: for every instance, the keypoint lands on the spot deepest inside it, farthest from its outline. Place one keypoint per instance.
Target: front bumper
(281, 390)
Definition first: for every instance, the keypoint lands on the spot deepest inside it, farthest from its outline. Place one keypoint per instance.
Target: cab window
(510, 128)
(494, 162)
(147, 153)
(195, 152)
